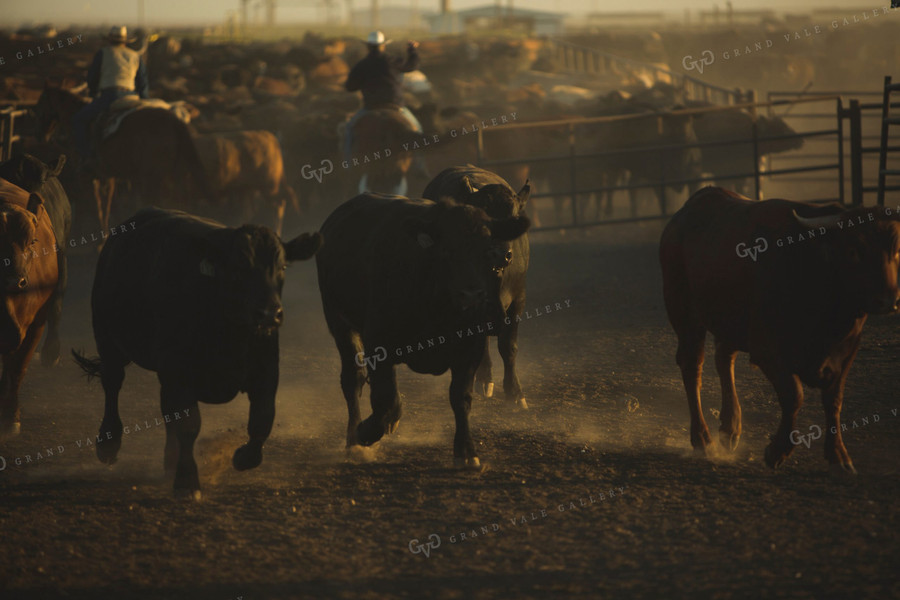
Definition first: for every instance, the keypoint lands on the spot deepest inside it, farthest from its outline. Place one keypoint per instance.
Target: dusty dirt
(607, 412)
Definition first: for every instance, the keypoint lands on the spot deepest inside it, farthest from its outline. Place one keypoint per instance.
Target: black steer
(200, 304)
(415, 282)
(470, 185)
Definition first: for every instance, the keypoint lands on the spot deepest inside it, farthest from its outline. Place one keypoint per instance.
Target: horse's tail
(190, 159)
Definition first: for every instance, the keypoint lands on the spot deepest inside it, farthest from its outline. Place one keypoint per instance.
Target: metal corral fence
(581, 59)
(863, 112)
(568, 129)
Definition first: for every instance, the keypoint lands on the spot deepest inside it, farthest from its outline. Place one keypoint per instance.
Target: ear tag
(425, 240)
(207, 268)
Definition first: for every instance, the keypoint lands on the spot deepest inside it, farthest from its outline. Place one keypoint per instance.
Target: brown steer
(28, 278)
(788, 282)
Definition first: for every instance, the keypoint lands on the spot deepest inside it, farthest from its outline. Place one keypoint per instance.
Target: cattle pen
(569, 129)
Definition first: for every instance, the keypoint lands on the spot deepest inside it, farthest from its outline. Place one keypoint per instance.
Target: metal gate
(575, 193)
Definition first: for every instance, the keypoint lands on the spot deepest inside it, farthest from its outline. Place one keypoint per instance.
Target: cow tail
(92, 367)
(191, 160)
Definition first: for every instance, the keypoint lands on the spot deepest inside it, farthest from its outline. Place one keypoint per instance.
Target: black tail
(92, 367)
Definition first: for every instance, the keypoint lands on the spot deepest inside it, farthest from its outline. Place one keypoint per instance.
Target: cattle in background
(200, 304)
(789, 283)
(490, 192)
(725, 161)
(415, 282)
(29, 286)
(242, 164)
(34, 176)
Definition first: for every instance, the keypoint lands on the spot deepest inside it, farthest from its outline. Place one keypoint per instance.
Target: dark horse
(152, 149)
(381, 150)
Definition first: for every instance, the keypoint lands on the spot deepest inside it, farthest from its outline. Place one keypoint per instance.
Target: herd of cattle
(423, 281)
(426, 282)
(258, 106)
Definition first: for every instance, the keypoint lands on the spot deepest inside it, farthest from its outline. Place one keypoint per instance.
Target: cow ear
(60, 163)
(524, 194)
(303, 246)
(421, 231)
(35, 204)
(506, 230)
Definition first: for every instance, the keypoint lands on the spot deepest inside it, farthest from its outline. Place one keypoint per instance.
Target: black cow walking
(471, 185)
(200, 304)
(415, 282)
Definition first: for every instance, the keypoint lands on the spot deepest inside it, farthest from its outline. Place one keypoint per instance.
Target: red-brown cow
(788, 282)
(27, 286)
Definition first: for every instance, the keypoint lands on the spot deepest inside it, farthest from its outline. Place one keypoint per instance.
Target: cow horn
(828, 221)
(469, 187)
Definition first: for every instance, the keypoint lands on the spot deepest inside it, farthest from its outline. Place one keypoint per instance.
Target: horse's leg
(110, 192)
(99, 200)
(279, 215)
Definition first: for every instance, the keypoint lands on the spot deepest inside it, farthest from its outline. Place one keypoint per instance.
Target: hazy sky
(172, 12)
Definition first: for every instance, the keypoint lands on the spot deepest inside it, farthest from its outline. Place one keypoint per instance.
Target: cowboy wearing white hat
(379, 78)
(116, 71)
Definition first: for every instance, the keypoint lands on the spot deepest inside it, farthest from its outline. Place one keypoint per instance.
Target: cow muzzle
(269, 318)
(16, 283)
(886, 305)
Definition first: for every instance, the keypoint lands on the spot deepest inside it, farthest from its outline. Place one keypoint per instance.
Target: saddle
(110, 121)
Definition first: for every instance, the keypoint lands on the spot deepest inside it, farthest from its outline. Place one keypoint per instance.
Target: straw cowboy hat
(376, 38)
(119, 33)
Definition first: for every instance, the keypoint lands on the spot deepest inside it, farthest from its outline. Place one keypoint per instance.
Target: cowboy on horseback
(115, 72)
(379, 78)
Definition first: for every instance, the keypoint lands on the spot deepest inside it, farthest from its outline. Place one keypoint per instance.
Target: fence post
(885, 130)
(840, 130)
(572, 172)
(479, 149)
(756, 180)
(856, 174)
(8, 134)
(662, 166)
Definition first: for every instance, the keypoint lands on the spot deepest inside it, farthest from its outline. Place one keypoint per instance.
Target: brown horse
(152, 149)
(382, 151)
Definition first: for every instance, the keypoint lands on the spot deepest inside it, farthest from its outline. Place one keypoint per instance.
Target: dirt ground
(593, 492)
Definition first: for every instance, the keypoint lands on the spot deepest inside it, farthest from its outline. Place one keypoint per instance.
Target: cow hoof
(246, 457)
(50, 354)
(361, 454)
(369, 432)
(842, 470)
(771, 460)
(521, 403)
(489, 390)
(108, 451)
(393, 427)
(10, 429)
(729, 441)
(187, 495)
(469, 464)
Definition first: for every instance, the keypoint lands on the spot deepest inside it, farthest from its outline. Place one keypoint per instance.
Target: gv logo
(753, 251)
(308, 172)
(797, 438)
(706, 58)
(363, 360)
(3, 468)
(433, 543)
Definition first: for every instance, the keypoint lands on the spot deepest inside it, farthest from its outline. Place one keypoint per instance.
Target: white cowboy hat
(119, 33)
(376, 38)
